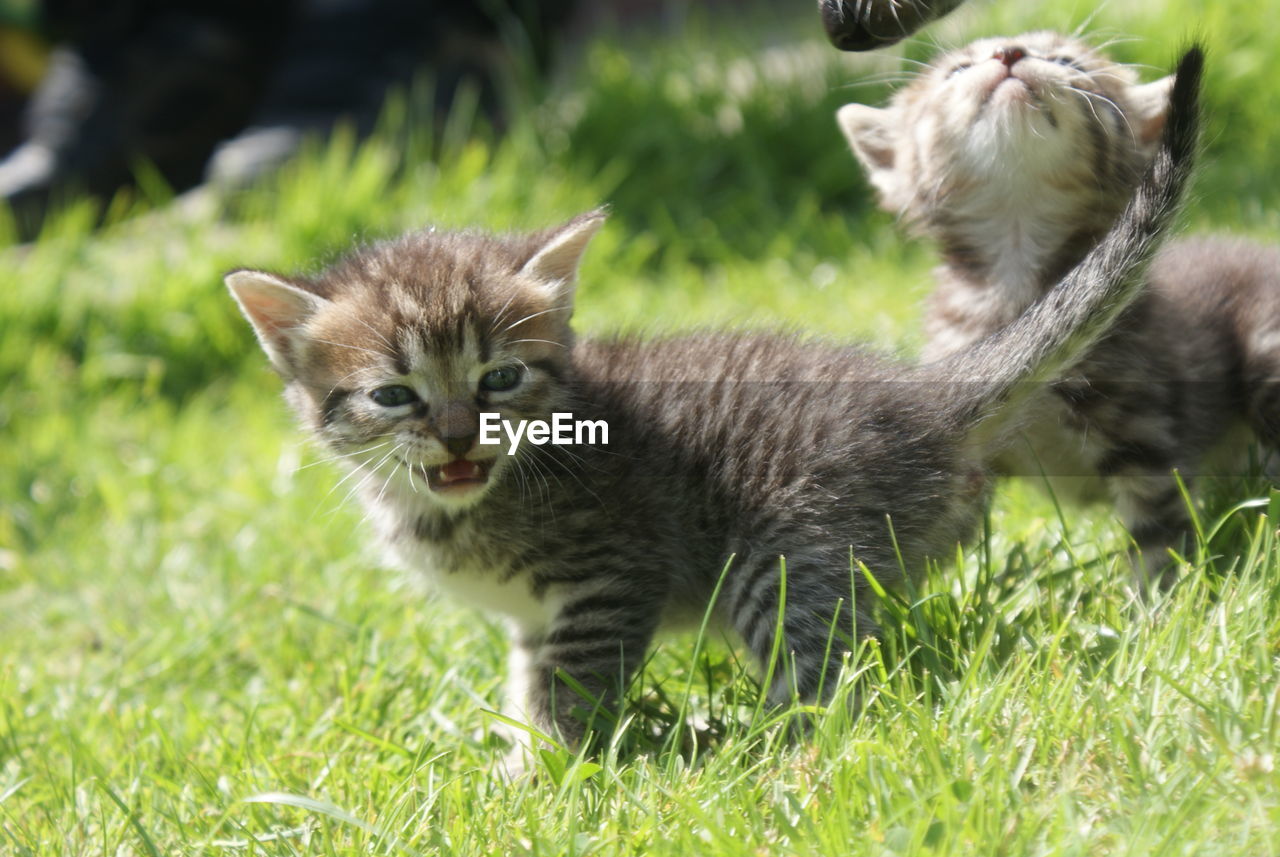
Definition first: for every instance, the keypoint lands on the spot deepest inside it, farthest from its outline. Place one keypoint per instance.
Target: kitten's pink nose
(457, 424)
(1009, 55)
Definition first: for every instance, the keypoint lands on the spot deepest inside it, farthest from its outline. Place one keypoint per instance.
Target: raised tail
(986, 384)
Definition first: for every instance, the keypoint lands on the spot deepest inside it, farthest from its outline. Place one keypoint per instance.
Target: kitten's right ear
(555, 264)
(277, 310)
(871, 135)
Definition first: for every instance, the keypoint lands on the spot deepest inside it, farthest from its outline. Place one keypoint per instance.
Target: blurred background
(185, 597)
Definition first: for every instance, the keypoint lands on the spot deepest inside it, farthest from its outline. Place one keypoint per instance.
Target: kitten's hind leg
(814, 610)
(1154, 510)
(573, 674)
(1262, 389)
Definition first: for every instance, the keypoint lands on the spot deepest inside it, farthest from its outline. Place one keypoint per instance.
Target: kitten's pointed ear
(556, 262)
(277, 310)
(871, 135)
(1149, 104)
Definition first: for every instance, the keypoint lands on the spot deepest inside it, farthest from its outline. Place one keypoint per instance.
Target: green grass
(201, 654)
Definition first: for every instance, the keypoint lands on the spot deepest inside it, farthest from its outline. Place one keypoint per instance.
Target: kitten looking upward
(725, 450)
(1013, 155)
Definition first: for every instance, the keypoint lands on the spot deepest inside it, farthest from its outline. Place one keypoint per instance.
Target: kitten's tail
(988, 382)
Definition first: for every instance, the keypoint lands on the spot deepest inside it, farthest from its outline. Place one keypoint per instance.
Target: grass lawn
(200, 653)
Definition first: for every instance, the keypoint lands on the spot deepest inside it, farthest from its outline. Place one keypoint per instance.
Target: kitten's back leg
(1139, 431)
(1262, 392)
(1245, 275)
(811, 597)
(1154, 510)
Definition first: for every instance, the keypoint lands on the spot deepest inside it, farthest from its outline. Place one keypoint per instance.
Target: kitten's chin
(1014, 123)
(1015, 104)
(1014, 92)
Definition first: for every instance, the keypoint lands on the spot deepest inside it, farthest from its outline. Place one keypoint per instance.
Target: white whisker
(375, 332)
(501, 313)
(1090, 96)
(372, 471)
(547, 341)
(340, 456)
(535, 315)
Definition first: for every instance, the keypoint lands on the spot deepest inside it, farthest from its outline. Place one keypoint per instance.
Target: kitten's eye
(393, 396)
(503, 378)
(1069, 62)
(957, 68)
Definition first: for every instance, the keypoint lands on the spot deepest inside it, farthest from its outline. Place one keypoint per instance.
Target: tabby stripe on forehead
(460, 332)
(399, 358)
(439, 342)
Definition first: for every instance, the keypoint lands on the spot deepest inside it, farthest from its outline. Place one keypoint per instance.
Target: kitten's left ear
(556, 262)
(1149, 104)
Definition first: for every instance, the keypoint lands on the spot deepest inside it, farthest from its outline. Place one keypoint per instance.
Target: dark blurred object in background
(137, 80)
(863, 25)
(22, 62)
(227, 89)
(339, 58)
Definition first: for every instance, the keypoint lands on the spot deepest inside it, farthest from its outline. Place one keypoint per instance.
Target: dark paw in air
(863, 25)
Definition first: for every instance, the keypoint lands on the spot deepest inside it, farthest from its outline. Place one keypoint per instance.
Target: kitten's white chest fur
(464, 576)
(511, 598)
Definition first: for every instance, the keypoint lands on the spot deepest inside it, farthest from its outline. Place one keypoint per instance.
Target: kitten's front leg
(595, 643)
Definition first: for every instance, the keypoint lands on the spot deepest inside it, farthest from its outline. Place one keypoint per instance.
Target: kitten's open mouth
(458, 476)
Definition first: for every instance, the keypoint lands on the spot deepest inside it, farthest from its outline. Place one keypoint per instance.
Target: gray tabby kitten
(1014, 155)
(723, 449)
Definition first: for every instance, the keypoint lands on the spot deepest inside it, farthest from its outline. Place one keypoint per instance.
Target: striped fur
(1016, 181)
(728, 451)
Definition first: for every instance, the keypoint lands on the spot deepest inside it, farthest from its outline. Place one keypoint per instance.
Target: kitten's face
(1036, 106)
(392, 355)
